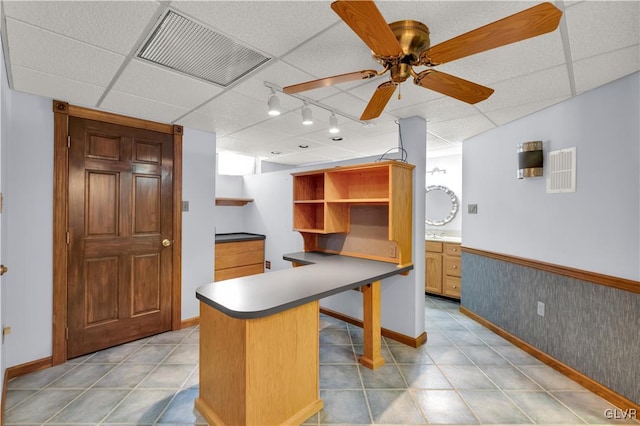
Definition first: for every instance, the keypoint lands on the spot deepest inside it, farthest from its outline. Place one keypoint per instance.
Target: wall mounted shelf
(226, 201)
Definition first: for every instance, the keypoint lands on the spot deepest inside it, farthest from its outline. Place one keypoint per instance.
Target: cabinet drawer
(433, 246)
(241, 253)
(452, 287)
(452, 265)
(452, 249)
(240, 271)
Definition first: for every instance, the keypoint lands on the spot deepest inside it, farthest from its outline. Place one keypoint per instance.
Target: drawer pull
(455, 266)
(455, 286)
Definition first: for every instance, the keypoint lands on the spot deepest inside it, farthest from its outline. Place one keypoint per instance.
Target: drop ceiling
(85, 53)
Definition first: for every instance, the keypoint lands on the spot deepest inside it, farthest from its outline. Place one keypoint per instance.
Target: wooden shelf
(226, 201)
(362, 210)
(361, 201)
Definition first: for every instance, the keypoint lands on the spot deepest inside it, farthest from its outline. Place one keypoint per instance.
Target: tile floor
(465, 374)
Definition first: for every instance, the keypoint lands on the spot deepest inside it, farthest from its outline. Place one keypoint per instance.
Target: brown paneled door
(120, 234)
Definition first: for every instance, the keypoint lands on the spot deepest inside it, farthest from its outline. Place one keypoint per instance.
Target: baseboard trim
(28, 367)
(21, 370)
(190, 322)
(414, 342)
(586, 381)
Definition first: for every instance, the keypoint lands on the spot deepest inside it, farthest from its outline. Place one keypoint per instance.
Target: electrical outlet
(540, 309)
(267, 264)
(185, 206)
(472, 208)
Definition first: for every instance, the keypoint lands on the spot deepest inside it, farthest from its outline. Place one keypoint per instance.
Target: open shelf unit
(323, 199)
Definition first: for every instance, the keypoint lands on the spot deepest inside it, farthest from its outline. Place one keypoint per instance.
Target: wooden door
(120, 209)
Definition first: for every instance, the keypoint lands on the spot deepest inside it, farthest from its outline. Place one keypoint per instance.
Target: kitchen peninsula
(259, 334)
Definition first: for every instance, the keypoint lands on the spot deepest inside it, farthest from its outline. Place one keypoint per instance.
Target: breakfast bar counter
(259, 342)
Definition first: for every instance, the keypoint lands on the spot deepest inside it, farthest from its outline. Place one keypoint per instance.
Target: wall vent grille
(561, 176)
(186, 46)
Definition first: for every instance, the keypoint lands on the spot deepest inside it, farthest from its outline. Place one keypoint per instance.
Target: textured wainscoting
(593, 328)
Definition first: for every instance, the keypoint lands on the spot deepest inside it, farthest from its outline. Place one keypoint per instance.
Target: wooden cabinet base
(262, 371)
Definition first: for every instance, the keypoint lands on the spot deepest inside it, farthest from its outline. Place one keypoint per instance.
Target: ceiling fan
(402, 45)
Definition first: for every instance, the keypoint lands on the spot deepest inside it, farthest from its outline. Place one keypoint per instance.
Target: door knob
(166, 242)
(3, 269)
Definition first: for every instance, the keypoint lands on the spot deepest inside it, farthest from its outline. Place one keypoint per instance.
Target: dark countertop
(238, 236)
(261, 295)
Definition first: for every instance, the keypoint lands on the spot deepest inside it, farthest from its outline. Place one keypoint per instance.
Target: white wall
(229, 218)
(452, 180)
(198, 224)
(5, 107)
(597, 228)
(28, 227)
(271, 214)
(27, 223)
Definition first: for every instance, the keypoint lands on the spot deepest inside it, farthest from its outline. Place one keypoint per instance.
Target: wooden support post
(371, 326)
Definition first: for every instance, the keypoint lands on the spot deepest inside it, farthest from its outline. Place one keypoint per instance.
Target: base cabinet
(442, 269)
(238, 259)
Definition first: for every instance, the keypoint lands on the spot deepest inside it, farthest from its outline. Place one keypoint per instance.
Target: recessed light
(275, 152)
(303, 146)
(336, 138)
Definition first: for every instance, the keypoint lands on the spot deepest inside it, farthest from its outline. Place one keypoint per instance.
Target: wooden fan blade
(529, 23)
(330, 81)
(378, 101)
(455, 87)
(367, 22)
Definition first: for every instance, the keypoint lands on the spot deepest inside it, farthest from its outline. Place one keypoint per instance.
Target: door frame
(61, 113)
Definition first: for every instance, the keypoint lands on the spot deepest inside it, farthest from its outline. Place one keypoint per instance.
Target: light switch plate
(472, 208)
(185, 206)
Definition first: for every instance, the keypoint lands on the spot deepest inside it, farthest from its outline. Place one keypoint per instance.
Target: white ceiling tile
(281, 74)
(595, 71)
(147, 109)
(347, 104)
(461, 128)
(54, 87)
(275, 27)
(235, 105)
(309, 41)
(527, 89)
(410, 94)
(597, 27)
(335, 51)
(154, 82)
(441, 109)
(197, 120)
(50, 53)
(448, 19)
(506, 115)
(112, 25)
(509, 61)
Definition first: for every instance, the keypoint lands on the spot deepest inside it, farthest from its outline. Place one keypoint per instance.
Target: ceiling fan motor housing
(413, 37)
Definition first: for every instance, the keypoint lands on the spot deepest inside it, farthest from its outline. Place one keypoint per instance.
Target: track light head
(274, 104)
(333, 124)
(307, 115)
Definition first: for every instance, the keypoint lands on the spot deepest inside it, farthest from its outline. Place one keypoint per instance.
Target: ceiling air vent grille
(185, 46)
(561, 175)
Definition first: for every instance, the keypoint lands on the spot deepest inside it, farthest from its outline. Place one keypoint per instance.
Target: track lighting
(333, 124)
(307, 116)
(274, 104)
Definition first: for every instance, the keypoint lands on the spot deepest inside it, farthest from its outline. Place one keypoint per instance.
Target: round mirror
(441, 205)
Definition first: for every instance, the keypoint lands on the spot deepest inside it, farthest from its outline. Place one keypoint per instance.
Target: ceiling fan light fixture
(274, 104)
(307, 115)
(333, 124)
